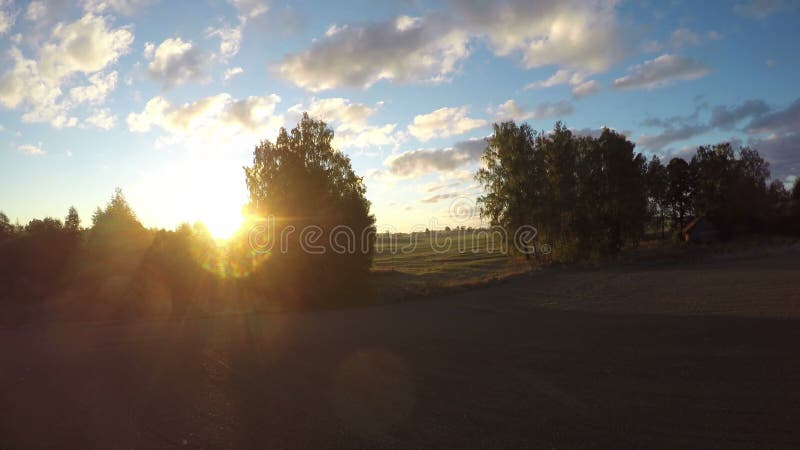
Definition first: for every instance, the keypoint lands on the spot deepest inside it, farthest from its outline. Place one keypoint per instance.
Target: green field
(446, 259)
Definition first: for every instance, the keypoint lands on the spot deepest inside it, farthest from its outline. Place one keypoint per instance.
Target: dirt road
(483, 369)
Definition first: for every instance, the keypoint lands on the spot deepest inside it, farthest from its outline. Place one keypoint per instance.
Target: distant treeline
(595, 195)
(115, 268)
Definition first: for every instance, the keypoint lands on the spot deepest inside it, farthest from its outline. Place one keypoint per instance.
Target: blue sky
(166, 99)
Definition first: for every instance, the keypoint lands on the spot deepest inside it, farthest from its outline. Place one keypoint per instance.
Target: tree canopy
(584, 193)
(301, 181)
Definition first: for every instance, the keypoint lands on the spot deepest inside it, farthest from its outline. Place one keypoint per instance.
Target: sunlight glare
(222, 223)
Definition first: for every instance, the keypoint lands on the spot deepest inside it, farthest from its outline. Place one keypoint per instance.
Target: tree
(507, 175)
(72, 222)
(679, 192)
(796, 189)
(583, 193)
(301, 181)
(6, 228)
(612, 195)
(657, 181)
(513, 189)
(116, 212)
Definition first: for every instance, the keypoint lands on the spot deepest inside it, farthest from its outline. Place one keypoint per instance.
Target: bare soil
(696, 355)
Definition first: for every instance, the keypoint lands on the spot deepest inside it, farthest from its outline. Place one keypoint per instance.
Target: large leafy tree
(731, 188)
(509, 176)
(617, 209)
(680, 188)
(580, 192)
(301, 181)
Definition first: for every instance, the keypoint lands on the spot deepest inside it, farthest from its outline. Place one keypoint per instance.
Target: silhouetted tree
(679, 192)
(795, 198)
(72, 222)
(612, 193)
(796, 189)
(657, 182)
(730, 189)
(116, 212)
(583, 193)
(6, 228)
(302, 181)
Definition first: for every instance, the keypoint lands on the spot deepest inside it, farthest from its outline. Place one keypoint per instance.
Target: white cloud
(230, 40)
(249, 9)
(586, 89)
(174, 62)
(662, 71)
(562, 76)
(547, 109)
(350, 122)
(420, 162)
(86, 47)
(36, 11)
(7, 17)
(340, 110)
(510, 110)
(102, 119)
(232, 72)
(580, 35)
(443, 122)
(402, 50)
(214, 120)
(583, 36)
(125, 7)
(31, 149)
(580, 88)
(98, 89)
(439, 197)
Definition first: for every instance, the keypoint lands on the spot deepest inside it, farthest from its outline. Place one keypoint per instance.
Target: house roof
(692, 224)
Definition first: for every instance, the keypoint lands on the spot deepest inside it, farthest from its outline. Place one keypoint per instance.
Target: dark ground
(482, 369)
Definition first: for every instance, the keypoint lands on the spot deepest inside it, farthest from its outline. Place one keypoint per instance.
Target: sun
(223, 224)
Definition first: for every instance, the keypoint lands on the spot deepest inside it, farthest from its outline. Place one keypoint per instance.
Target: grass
(408, 266)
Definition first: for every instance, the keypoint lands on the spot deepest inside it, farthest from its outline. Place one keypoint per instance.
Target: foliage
(6, 228)
(72, 222)
(585, 194)
(680, 190)
(301, 181)
(117, 213)
(595, 195)
(656, 184)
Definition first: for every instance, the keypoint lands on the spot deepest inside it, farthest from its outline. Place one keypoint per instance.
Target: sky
(167, 99)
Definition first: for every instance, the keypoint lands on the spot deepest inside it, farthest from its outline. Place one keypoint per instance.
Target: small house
(700, 230)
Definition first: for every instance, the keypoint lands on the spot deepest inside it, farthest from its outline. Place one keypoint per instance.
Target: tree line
(118, 268)
(584, 195)
(595, 195)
